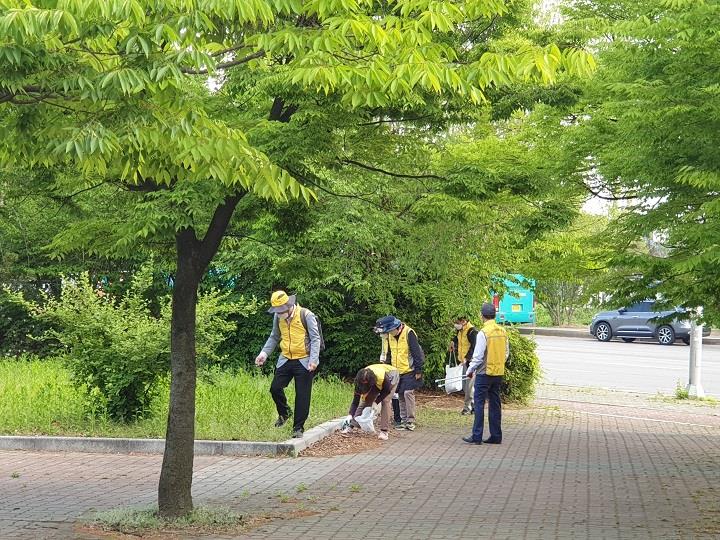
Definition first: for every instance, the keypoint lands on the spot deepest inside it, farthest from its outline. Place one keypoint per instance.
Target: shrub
(523, 369)
(117, 350)
(18, 327)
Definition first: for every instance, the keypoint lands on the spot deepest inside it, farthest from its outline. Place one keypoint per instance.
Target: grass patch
(681, 392)
(138, 521)
(37, 397)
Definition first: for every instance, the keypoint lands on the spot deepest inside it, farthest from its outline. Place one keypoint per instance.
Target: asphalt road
(641, 366)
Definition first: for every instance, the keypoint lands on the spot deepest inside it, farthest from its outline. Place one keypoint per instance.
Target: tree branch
(225, 65)
(334, 194)
(216, 230)
(393, 121)
(390, 173)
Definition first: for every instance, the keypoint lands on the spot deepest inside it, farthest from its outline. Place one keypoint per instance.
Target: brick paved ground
(568, 468)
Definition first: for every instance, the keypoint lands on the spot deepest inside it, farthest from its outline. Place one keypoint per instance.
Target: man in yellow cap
(296, 330)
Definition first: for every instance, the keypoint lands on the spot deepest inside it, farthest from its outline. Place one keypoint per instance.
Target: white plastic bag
(366, 420)
(453, 378)
(453, 375)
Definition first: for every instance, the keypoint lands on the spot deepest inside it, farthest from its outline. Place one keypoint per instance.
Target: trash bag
(365, 420)
(453, 376)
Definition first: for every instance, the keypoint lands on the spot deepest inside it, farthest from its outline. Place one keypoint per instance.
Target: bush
(117, 350)
(18, 327)
(522, 370)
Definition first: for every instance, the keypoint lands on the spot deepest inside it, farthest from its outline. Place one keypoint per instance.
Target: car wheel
(603, 332)
(628, 339)
(686, 340)
(666, 335)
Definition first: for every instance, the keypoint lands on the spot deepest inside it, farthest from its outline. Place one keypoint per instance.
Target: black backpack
(303, 318)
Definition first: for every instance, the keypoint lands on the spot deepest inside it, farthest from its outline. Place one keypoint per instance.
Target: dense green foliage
(649, 133)
(117, 349)
(522, 371)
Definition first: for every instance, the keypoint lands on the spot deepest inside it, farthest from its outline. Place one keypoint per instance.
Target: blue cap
(384, 324)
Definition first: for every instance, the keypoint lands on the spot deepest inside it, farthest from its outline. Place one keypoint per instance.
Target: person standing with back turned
(492, 349)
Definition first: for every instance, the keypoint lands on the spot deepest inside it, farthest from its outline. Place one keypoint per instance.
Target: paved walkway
(568, 468)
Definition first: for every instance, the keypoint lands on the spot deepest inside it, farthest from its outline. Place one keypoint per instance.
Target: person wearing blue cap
(492, 349)
(401, 349)
(297, 331)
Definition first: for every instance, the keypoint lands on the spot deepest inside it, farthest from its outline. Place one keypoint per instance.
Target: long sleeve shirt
(312, 339)
(478, 364)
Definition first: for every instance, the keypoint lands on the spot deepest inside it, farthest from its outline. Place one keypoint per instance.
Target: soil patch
(339, 444)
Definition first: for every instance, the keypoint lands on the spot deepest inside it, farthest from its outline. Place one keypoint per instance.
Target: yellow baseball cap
(280, 301)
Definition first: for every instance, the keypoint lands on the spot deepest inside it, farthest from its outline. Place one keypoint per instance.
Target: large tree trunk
(174, 491)
(193, 258)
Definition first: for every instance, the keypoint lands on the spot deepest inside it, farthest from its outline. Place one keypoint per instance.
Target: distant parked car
(642, 321)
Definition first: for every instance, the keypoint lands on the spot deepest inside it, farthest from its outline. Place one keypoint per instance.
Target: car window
(647, 306)
(635, 308)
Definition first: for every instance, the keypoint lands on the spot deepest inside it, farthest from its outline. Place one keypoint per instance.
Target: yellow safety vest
(293, 334)
(380, 370)
(399, 350)
(463, 342)
(496, 347)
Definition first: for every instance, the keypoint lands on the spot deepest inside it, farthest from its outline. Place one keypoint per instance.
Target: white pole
(694, 387)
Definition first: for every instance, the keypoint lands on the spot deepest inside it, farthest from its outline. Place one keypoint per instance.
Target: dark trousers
(487, 387)
(293, 369)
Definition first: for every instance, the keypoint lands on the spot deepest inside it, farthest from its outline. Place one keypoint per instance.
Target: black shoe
(297, 434)
(281, 420)
(492, 441)
(470, 440)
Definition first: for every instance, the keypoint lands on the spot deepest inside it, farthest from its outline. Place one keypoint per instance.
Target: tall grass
(37, 397)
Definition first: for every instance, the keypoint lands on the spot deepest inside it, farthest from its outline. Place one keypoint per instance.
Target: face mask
(384, 335)
(458, 326)
(285, 315)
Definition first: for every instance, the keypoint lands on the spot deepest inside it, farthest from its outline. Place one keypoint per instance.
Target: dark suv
(642, 321)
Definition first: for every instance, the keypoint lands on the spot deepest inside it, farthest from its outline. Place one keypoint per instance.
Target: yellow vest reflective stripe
(463, 343)
(399, 350)
(496, 348)
(380, 370)
(292, 342)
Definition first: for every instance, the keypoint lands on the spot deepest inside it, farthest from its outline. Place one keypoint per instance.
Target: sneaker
(410, 426)
(383, 436)
(280, 422)
(465, 411)
(346, 429)
(397, 423)
(401, 425)
(297, 434)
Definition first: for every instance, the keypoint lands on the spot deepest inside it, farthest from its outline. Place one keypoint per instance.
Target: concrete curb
(583, 333)
(104, 445)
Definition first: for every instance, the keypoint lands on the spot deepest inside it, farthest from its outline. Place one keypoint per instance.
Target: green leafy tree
(649, 136)
(568, 266)
(116, 94)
